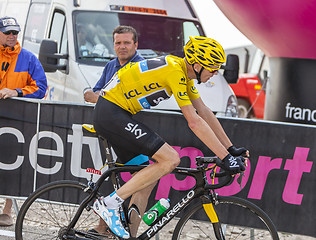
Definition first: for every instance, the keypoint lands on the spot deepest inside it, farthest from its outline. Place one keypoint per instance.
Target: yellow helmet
(205, 51)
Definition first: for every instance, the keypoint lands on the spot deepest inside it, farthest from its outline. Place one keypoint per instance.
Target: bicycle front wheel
(231, 212)
(47, 212)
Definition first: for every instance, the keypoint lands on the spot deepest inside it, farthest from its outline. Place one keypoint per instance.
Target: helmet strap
(198, 74)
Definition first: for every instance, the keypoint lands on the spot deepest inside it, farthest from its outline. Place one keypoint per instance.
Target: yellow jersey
(141, 85)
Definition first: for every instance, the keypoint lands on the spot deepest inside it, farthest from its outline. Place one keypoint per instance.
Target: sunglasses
(215, 69)
(12, 31)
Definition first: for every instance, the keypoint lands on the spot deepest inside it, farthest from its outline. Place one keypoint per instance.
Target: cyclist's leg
(102, 228)
(166, 159)
(140, 199)
(130, 137)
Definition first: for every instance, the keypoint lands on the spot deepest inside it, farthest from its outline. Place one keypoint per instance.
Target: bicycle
(62, 209)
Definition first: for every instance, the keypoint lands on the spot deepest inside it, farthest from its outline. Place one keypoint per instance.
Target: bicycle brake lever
(239, 179)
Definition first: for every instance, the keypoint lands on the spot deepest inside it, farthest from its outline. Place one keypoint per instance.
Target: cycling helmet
(205, 51)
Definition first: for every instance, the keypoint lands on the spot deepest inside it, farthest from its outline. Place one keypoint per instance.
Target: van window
(158, 35)
(189, 29)
(58, 32)
(35, 26)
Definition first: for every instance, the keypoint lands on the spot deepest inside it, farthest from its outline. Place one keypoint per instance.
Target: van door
(35, 26)
(57, 80)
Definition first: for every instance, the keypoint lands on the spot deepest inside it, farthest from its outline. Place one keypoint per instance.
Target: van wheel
(243, 107)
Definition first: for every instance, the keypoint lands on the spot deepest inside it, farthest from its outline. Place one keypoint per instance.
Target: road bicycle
(63, 209)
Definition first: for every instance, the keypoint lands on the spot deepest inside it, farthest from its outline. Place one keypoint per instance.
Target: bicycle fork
(208, 206)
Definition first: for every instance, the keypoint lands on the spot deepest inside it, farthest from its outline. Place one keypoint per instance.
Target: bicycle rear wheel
(48, 211)
(231, 212)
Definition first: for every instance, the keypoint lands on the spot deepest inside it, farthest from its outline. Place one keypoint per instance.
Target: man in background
(85, 47)
(125, 41)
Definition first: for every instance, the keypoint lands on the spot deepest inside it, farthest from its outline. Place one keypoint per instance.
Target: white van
(163, 26)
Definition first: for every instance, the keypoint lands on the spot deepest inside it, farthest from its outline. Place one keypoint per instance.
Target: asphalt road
(7, 233)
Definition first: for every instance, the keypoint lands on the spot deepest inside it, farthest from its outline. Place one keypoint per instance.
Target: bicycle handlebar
(207, 160)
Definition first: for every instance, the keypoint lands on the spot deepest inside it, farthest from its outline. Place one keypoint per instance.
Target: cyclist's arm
(203, 131)
(207, 114)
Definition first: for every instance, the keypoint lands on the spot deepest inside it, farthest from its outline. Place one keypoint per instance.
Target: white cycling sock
(113, 201)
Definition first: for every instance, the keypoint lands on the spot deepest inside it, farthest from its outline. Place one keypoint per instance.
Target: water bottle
(159, 208)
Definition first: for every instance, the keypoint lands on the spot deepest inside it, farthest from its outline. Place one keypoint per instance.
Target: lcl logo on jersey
(138, 132)
(183, 95)
(194, 90)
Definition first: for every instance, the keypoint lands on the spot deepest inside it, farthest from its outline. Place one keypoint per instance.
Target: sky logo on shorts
(138, 132)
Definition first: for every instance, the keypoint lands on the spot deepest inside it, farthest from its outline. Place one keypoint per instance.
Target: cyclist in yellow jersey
(144, 84)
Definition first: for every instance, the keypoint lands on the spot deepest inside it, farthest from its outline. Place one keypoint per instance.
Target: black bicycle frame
(201, 188)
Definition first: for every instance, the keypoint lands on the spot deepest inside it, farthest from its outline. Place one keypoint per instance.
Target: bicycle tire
(230, 211)
(49, 210)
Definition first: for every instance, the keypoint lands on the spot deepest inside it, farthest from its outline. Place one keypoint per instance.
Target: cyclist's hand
(233, 164)
(238, 151)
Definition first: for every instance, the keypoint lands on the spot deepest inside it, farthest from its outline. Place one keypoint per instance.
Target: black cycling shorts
(128, 137)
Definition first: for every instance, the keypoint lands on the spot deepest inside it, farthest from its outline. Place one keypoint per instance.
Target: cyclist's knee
(175, 159)
(172, 159)
(167, 156)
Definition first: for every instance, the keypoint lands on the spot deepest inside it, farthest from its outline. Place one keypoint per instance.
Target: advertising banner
(42, 142)
(290, 95)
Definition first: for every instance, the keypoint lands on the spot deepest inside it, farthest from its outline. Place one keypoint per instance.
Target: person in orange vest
(22, 74)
